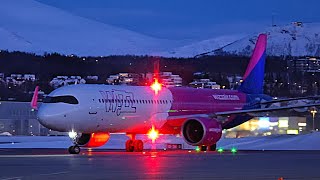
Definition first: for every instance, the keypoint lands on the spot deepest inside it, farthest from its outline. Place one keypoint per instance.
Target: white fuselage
(105, 108)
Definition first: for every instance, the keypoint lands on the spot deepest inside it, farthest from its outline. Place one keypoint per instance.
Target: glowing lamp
(72, 134)
(156, 86)
(153, 134)
(234, 150)
(197, 149)
(220, 150)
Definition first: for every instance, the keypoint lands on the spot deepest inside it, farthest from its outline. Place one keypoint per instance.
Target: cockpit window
(61, 99)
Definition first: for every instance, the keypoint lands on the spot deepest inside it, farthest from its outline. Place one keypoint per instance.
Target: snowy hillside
(290, 40)
(202, 47)
(34, 27)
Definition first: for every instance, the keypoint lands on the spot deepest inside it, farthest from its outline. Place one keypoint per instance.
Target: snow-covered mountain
(296, 39)
(201, 47)
(31, 26)
(292, 40)
(35, 27)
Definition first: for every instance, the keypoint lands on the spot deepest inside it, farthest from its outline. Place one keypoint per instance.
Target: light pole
(313, 112)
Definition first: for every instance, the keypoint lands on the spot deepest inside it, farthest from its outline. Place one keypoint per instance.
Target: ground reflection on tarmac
(182, 164)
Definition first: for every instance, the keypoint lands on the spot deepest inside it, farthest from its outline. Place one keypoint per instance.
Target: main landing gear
(208, 148)
(133, 145)
(74, 149)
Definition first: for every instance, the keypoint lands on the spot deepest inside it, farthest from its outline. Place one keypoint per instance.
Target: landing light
(72, 134)
(156, 86)
(234, 150)
(153, 134)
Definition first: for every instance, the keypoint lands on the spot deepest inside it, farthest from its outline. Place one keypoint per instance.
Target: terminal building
(264, 126)
(17, 118)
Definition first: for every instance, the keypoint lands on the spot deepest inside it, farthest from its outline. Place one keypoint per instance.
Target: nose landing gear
(74, 149)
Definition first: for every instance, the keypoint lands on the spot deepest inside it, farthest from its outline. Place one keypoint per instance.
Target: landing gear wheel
(203, 148)
(74, 149)
(138, 146)
(129, 145)
(213, 147)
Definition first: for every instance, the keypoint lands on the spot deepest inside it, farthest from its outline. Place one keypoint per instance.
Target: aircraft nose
(43, 117)
(54, 118)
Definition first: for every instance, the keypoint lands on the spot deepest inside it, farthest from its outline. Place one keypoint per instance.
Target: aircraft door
(95, 112)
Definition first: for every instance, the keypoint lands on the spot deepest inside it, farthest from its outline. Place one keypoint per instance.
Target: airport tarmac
(182, 164)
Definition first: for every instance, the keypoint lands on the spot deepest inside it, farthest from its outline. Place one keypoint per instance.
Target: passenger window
(62, 99)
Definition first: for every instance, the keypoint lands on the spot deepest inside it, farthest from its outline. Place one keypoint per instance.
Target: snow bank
(279, 142)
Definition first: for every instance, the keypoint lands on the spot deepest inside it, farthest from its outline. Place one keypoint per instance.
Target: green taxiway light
(197, 148)
(220, 150)
(233, 150)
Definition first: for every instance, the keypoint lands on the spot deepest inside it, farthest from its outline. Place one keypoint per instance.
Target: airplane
(91, 112)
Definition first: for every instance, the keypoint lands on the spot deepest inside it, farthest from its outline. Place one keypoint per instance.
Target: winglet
(34, 101)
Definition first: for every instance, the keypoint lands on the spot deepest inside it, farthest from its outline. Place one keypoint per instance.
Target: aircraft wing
(290, 99)
(248, 111)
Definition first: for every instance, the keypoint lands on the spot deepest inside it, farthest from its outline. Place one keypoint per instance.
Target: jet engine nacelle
(201, 131)
(93, 139)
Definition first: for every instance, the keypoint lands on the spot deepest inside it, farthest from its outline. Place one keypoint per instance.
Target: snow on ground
(277, 142)
(31, 26)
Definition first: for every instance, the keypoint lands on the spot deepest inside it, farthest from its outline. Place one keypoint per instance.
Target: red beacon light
(156, 86)
(153, 134)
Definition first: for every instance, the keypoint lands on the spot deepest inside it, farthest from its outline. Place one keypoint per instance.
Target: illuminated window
(283, 122)
(292, 131)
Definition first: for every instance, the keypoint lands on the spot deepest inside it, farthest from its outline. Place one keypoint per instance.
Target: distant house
(204, 83)
(65, 80)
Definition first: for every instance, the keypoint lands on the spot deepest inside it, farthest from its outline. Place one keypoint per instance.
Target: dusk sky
(192, 20)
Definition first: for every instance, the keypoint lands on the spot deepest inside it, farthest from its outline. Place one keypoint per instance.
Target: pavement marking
(55, 173)
(33, 156)
(11, 178)
(47, 174)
